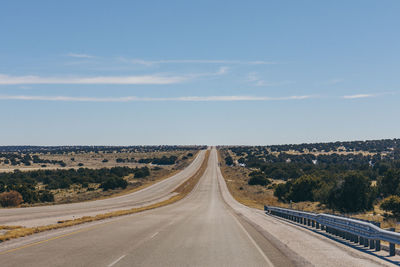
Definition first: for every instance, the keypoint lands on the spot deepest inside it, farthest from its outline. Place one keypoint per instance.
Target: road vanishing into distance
(206, 228)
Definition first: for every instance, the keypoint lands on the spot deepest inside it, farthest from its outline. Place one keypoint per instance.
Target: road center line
(115, 262)
(156, 233)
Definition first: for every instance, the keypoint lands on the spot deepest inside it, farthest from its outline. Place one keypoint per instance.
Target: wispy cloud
(359, 96)
(194, 61)
(75, 55)
(267, 83)
(152, 99)
(254, 78)
(222, 71)
(144, 79)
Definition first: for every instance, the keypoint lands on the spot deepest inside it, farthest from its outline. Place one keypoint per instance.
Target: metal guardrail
(364, 233)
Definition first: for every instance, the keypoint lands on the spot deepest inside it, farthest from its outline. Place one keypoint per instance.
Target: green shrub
(114, 182)
(391, 204)
(259, 180)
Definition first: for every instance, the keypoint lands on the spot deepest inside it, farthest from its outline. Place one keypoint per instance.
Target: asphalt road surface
(207, 228)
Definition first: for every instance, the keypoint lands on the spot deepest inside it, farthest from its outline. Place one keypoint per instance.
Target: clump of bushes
(229, 161)
(10, 199)
(142, 172)
(391, 204)
(350, 193)
(258, 178)
(114, 182)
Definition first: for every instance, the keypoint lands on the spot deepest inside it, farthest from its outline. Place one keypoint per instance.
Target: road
(44, 215)
(207, 228)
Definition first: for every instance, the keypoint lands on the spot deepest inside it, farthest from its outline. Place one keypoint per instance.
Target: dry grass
(77, 193)
(254, 196)
(182, 190)
(9, 227)
(92, 160)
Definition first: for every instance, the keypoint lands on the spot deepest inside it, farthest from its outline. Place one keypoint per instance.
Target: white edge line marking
(254, 242)
(117, 260)
(156, 233)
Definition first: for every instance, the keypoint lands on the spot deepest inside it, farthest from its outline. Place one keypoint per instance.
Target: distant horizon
(100, 145)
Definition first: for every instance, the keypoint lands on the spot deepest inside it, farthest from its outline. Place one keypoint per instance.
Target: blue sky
(198, 72)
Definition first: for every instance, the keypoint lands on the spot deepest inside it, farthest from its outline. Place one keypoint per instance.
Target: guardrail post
(392, 247)
(317, 225)
(361, 240)
(304, 221)
(347, 236)
(378, 242)
(366, 242)
(372, 244)
(377, 245)
(308, 222)
(356, 239)
(313, 223)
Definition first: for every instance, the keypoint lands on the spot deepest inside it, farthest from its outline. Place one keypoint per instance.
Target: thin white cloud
(194, 61)
(144, 79)
(359, 96)
(222, 70)
(80, 55)
(152, 99)
(267, 83)
(253, 77)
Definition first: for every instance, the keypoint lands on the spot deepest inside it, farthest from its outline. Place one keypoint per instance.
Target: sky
(198, 72)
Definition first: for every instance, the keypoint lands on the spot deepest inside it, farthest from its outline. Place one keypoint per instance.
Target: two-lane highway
(207, 228)
(198, 231)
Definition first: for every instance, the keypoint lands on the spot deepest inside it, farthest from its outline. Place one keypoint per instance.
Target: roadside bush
(282, 190)
(46, 196)
(302, 188)
(353, 194)
(114, 182)
(142, 172)
(165, 160)
(229, 161)
(391, 204)
(389, 183)
(10, 199)
(258, 178)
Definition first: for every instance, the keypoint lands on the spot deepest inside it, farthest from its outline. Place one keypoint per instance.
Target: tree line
(25, 183)
(344, 182)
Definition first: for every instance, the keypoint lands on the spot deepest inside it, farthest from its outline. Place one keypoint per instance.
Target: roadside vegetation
(360, 179)
(66, 185)
(26, 158)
